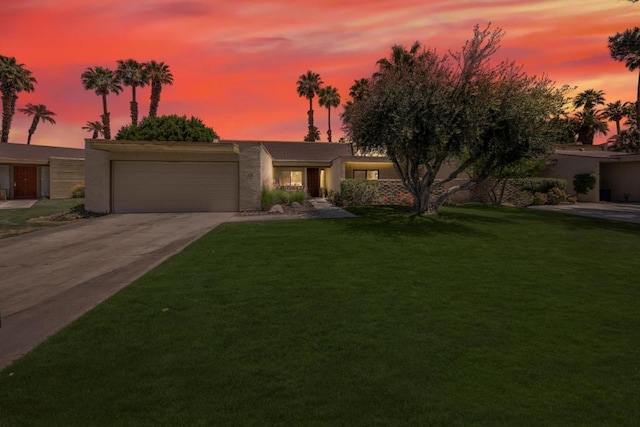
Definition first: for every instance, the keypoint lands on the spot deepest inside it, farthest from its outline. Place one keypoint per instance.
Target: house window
(290, 178)
(364, 174)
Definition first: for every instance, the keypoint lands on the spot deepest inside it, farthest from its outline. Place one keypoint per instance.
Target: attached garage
(161, 186)
(152, 176)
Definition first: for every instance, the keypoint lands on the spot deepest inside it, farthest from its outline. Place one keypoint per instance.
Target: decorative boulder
(276, 209)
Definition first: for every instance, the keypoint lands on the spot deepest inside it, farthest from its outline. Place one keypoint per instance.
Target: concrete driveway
(49, 278)
(627, 212)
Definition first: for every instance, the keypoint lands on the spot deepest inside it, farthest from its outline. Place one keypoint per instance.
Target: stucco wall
(567, 166)
(250, 170)
(621, 178)
(5, 178)
(97, 192)
(63, 175)
(45, 182)
(266, 168)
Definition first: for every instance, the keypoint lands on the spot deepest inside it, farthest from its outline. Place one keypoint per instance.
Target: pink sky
(235, 63)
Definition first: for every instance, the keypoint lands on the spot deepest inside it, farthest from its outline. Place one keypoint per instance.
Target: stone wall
(250, 170)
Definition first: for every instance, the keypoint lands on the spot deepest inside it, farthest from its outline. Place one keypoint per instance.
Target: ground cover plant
(18, 221)
(481, 316)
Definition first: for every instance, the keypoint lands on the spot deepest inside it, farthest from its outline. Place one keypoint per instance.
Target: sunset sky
(235, 63)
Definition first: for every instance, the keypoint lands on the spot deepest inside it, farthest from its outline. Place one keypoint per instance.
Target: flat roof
(23, 153)
(303, 151)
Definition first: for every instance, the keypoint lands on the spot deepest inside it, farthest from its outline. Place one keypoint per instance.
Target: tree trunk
(617, 127)
(105, 118)
(638, 104)
(33, 127)
(134, 107)
(6, 117)
(329, 123)
(310, 114)
(95, 135)
(156, 89)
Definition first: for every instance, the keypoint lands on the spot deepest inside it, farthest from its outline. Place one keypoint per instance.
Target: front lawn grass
(17, 221)
(482, 316)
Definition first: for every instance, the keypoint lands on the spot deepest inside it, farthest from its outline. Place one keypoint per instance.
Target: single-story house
(153, 176)
(618, 174)
(38, 171)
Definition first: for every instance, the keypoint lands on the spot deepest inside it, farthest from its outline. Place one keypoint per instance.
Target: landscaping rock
(278, 209)
(296, 205)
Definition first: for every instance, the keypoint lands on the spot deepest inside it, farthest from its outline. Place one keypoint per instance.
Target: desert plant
(556, 196)
(77, 191)
(539, 199)
(584, 182)
(540, 185)
(276, 196)
(359, 192)
(168, 128)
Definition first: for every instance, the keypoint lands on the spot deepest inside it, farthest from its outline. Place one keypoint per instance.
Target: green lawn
(16, 221)
(481, 316)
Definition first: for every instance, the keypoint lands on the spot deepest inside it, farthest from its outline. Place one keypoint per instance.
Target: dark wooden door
(25, 180)
(313, 182)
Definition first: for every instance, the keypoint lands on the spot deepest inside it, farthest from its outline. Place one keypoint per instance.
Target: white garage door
(146, 186)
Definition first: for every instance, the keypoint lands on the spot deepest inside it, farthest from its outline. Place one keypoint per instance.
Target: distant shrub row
(168, 128)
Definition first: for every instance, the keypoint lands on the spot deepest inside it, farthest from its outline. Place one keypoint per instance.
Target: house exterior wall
(63, 175)
(567, 166)
(97, 192)
(622, 178)
(385, 169)
(45, 181)
(251, 171)
(5, 180)
(335, 174)
(266, 168)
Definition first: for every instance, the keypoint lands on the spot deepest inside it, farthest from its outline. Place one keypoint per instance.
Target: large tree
(359, 89)
(308, 86)
(329, 97)
(458, 108)
(589, 121)
(132, 73)
(14, 78)
(625, 47)
(39, 112)
(103, 81)
(158, 74)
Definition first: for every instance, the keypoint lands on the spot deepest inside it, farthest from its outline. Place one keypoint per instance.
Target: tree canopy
(168, 128)
(423, 109)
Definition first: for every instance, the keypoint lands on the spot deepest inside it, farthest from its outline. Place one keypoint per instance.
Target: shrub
(584, 182)
(523, 198)
(539, 199)
(168, 128)
(556, 196)
(270, 197)
(334, 198)
(77, 191)
(540, 185)
(359, 192)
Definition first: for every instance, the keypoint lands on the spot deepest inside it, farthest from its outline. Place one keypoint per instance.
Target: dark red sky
(235, 63)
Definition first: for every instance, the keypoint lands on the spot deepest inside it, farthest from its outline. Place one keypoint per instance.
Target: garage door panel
(148, 186)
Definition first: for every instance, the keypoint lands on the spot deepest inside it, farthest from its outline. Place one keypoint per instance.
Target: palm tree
(308, 86)
(625, 47)
(615, 112)
(400, 57)
(14, 78)
(132, 73)
(104, 81)
(95, 128)
(329, 97)
(158, 74)
(359, 89)
(39, 112)
(589, 99)
(590, 122)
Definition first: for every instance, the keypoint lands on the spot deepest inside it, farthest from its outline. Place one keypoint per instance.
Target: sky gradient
(236, 63)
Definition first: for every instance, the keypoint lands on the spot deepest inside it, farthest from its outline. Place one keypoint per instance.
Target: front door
(25, 182)
(313, 182)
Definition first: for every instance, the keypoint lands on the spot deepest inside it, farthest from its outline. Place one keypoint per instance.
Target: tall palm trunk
(329, 123)
(105, 118)
(134, 107)
(156, 89)
(638, 104)
(617, 127)
(32, 129)
(310, 113)
(6, 117)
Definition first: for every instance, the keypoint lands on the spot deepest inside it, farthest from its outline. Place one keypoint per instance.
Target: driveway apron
(49, 278)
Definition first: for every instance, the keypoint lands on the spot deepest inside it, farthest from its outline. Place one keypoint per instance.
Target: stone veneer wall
(63, 175)
(393, 192)
(250, 170)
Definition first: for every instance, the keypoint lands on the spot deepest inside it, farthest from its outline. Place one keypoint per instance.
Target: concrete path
(628, 212)
(324, 209)
(49, 278)
(17, 204)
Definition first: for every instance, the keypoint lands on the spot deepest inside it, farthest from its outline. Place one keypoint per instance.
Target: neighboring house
(618, 174)
(37, 171)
